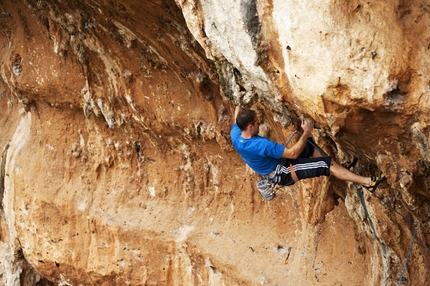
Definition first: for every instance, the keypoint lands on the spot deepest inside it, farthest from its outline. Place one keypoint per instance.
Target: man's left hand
(307, 125)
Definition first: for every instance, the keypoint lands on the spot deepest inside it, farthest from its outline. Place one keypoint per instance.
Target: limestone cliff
(116, 162)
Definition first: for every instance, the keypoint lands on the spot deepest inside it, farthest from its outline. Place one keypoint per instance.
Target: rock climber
(301, 161)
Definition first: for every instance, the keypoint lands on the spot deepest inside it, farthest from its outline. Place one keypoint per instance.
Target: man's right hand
(308, 126)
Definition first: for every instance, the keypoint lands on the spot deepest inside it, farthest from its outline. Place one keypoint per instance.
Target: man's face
(255, 126)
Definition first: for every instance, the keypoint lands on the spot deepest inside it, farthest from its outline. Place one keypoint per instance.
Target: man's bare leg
(343, 173)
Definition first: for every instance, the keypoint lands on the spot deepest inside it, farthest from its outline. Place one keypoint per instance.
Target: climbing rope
(415, 226)
(413, 237)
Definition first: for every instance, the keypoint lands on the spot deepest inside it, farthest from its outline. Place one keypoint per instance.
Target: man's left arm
(236, 112)
(296, 149)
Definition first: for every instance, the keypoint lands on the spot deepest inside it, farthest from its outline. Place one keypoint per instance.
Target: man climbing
(302, 160)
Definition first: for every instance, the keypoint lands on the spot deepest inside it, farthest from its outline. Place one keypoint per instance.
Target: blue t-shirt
(260, 153)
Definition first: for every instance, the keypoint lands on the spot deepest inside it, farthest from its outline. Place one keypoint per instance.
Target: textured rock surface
(116, 164)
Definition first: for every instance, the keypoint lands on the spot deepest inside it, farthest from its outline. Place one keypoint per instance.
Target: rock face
(117, 166)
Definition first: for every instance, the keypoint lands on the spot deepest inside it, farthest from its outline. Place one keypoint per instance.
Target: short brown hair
(244, 118)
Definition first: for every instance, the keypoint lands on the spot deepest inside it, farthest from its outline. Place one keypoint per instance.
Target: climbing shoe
(375, 183)
(265, 189)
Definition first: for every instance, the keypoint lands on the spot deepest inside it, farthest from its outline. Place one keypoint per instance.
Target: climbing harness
(414, 225)
(293, 173)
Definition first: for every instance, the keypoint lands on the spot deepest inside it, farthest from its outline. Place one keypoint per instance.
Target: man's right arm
(294, 152)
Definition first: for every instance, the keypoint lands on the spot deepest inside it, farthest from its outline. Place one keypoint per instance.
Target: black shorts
(304, 167)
